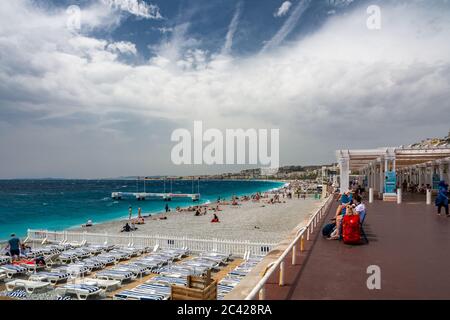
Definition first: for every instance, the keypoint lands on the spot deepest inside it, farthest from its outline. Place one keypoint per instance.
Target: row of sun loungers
(81, 261)
(159, 287)
(235, 276)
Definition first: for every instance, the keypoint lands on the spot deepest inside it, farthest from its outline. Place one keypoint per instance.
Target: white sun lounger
(116, 275)
(108, 285)
(69, 256)
(119, 255)
(133, 252)
(136, 268)
(12, 270)
(138, 295)
(30, 286)
(5, 260)
(107, 260)
(94, 264)
(74, 269)
(82, 291)
(52, 277)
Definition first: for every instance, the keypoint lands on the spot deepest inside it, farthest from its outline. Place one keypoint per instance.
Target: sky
(92, 89)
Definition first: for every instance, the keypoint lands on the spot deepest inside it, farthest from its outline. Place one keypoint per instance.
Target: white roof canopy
(405, 158)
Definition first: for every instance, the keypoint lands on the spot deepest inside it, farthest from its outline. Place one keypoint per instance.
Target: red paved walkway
(409, 242)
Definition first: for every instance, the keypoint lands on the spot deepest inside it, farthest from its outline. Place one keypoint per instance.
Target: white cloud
(136, 7)
(123, 47)
(164, 30)
(340, 84)
(232, 30)
(288, 25)
(283, 9)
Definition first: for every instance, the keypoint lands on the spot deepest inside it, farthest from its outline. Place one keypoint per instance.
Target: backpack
(328, 229)
(351, 229)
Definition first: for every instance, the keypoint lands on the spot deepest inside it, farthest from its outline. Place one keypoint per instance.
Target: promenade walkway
(409, 242)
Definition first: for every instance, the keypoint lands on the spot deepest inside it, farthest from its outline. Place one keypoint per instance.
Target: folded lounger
(12, 270)
(30, 286)
(82, 291)
(52, 277)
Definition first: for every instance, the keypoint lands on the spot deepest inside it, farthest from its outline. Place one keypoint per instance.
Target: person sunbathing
(215, 218)
(126, 228)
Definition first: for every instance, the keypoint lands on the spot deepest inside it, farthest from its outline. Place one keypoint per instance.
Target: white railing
(280, 263)
(234, 247)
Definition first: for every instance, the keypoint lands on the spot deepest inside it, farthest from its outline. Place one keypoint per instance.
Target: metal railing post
(282, 273)
(294, 252)
(262, 294)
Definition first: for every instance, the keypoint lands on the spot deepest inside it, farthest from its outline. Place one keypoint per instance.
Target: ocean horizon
(57, 204)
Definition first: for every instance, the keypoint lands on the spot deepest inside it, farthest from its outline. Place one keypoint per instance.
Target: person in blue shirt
(14, 247)
(442, 198)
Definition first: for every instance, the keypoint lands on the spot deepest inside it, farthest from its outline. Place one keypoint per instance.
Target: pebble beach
(249, 220)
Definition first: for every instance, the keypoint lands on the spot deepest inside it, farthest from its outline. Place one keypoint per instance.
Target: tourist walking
(442, 198)
(14, 247)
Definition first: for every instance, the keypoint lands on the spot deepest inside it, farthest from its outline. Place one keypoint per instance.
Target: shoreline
(257, 221)
(194, 204)
(120, 212)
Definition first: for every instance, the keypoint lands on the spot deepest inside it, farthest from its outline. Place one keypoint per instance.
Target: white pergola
(415, 165)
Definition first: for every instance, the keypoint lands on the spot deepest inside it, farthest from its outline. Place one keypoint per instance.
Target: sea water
(61, 204)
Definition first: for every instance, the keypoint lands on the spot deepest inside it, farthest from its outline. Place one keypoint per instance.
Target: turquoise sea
(61, 204)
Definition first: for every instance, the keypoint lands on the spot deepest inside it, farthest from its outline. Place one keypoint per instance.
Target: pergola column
(344, 171)
(441, 171)
(381, 177)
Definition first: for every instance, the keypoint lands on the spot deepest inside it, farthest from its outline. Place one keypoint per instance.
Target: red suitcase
(351, 229)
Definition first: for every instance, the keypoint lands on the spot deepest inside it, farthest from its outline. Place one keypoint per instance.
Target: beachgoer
(405, 186)
(126, 228)
(348, 210)
(167, 208)
(360, 207)
(215, 218)
(24, 249)
(14, 247)
(130, 212)
(442, 198)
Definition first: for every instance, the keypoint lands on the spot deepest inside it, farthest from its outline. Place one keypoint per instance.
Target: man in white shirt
(360, 207)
